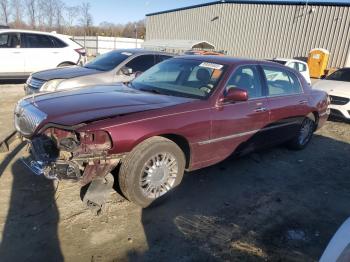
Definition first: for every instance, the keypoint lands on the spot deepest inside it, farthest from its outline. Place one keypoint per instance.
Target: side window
(293, 65)
(161, 58)
(281, 82)
(10, 40)
(302, 67)
(58, 42)
(247, 78)
(141, 63)
(37, 41)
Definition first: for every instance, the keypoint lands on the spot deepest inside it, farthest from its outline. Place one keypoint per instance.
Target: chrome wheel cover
(306, 131)
(158, 175)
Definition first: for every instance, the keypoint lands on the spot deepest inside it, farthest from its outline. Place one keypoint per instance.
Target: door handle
(16, 52)
(260, 109)
(303, 102)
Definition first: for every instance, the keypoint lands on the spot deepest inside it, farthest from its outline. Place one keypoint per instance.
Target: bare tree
(71, 14)
(5, 10)
(17, 7)
(49, 7)
(31, 6)
(59, 15)
(85, 16)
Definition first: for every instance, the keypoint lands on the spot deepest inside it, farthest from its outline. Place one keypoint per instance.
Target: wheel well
(316, 118)
(182, 143)
(67, 62)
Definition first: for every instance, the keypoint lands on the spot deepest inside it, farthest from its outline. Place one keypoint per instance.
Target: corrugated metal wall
(260, 30)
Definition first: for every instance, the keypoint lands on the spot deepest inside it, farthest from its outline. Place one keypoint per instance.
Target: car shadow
(30, 230)
(276, 205)
(10, 156)
(12, 81)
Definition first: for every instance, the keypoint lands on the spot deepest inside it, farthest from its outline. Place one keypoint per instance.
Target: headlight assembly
(51, 85)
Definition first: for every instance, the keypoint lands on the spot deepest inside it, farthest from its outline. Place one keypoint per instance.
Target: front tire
(150, 170)
(304, 135)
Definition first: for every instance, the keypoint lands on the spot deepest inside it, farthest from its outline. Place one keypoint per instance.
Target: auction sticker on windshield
(211, 65)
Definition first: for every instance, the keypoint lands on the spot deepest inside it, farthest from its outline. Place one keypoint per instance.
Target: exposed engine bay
(61, 154)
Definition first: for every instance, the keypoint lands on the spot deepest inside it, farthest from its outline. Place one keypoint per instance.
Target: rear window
(37, 41)
(58, 42)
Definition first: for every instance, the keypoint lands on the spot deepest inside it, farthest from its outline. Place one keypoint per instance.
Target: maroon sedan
(185, 113)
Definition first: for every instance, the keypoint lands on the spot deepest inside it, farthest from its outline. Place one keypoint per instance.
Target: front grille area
(27, 118)
(338, 100)
(35, 83)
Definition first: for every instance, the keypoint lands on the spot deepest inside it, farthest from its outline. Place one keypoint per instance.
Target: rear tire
(150, 170)
(304, 135)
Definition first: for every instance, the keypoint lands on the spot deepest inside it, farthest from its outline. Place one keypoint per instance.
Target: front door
(11, 55)
(236, 125)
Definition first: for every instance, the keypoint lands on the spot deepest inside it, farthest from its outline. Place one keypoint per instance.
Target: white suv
(23, 52)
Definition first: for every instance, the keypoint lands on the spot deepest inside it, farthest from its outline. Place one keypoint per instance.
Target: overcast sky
(123, 11)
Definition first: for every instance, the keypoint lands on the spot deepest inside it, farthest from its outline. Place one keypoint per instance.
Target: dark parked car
(185, 113)
(116, 66)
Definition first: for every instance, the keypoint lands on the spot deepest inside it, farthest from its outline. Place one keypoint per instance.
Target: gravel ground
(275, 205)
(10, 93)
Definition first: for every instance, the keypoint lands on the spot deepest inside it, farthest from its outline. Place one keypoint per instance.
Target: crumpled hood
(64, 73)
(89, 104)
(333, 87)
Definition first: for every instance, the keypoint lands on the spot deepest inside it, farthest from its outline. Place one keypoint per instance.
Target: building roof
(177, 44)
(269, 2)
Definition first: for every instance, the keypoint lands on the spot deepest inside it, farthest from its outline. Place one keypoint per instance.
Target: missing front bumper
(55, 170)
(84, 171)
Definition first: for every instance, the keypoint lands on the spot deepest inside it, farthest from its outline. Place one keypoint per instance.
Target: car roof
(228, 60)
(31, 32)
(136, 51)
(288, 60)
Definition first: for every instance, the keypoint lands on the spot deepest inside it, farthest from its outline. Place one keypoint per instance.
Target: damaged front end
(65, 154)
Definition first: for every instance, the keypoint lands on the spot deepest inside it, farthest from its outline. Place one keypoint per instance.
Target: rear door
(40, 52)
(11, 54)
(287, 103)
(239, 123)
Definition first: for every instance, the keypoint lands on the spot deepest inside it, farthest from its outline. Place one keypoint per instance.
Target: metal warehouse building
(260, 29)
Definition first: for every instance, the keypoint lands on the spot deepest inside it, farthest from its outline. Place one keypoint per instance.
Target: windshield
(340, 75)
(181, 77)
(108, 61)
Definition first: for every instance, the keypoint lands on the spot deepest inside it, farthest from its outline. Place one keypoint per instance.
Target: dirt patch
(9, 94)
(275, 205)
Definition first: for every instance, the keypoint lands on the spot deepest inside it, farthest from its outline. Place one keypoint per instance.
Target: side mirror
(323, 76)
(126, 71)
(235, 95)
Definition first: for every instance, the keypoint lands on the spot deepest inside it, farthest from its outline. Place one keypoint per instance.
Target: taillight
(81, 51)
